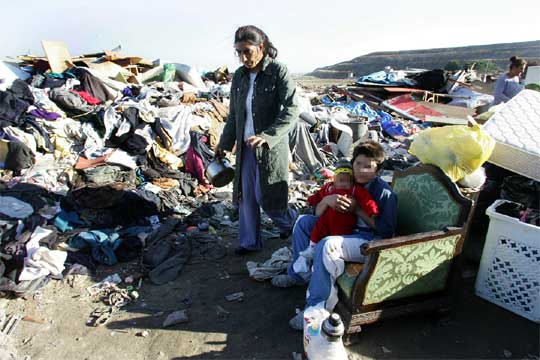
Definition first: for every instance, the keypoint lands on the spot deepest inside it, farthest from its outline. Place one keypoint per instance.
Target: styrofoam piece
(533, 75)
(9, 73)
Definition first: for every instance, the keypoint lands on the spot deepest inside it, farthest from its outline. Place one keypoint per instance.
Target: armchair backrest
(428, 200)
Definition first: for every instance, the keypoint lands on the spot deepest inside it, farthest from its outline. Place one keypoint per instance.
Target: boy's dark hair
(255, 36)
(370, 149)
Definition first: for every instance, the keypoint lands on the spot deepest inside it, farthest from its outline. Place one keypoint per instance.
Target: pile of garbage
(102, 159)
(393, 107)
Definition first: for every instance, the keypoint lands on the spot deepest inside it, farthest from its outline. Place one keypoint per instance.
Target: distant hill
(430, 58)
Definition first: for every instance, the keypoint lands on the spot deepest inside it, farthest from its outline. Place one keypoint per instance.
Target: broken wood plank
(57, 55)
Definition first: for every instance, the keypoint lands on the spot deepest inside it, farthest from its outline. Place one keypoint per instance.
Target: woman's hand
(255, 141)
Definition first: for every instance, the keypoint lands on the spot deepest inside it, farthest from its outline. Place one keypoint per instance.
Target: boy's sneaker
(284, 281)
(297, 322)
(308, 253)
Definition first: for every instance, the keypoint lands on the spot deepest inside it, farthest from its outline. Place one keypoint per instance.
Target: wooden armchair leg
(351, 339)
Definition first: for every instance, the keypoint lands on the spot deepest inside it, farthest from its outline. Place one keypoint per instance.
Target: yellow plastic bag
(458, 150)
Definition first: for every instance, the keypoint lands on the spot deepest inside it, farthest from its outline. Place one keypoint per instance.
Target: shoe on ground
(284, 281)
(297, 322)
(241, 251)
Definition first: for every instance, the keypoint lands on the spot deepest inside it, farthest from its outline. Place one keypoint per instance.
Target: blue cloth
(389, 78)
(249, 210)
(389, 126)
(320, 282)
(66, 221)
(127, 92)
(359, 108)
(102, 243)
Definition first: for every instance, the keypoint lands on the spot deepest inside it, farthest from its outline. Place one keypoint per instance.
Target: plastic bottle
(324, 342)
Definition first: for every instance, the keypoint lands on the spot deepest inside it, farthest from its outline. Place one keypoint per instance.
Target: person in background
(263, 110)
(508, 86)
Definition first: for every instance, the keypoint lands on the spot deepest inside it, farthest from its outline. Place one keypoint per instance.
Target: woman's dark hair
(370, 149)
(255, 36)
(516, 62)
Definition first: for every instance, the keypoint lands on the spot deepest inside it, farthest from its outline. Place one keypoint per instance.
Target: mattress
(516, 130)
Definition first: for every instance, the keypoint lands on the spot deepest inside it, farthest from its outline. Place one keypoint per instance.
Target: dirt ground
(255, 328)
(316, 84)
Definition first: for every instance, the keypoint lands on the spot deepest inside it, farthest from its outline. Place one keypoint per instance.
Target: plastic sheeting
(359, 108)
(9, 73)
(391, 77)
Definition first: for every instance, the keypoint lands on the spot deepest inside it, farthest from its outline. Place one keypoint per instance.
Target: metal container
(359, 128)
(220, 172)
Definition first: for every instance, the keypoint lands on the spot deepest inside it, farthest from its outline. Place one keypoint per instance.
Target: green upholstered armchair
(411, 271)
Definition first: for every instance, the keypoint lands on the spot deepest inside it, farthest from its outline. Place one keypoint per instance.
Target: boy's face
(364, 169)
(343, 181)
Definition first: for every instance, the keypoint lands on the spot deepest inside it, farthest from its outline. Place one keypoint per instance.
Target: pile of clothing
(91, 164)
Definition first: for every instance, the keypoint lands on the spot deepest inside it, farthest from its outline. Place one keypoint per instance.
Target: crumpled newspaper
(275, 265)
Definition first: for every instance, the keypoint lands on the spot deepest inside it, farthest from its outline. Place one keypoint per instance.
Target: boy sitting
(332, 221)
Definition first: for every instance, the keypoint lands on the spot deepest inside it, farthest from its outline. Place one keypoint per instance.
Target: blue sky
(308, 34)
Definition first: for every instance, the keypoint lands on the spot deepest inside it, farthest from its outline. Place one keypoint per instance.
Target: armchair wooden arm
(378, 245)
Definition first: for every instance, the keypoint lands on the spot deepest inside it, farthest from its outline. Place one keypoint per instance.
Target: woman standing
(508, 86)
(263, 110)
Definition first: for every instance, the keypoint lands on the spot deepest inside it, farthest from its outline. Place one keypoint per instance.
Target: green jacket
(275, 113)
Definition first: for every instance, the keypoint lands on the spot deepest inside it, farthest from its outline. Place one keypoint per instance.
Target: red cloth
(195, 166)
(412, 107)
(333, 222)
(84, 163)
(87, 97)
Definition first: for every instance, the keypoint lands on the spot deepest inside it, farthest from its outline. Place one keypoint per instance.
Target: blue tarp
(359, 108)
(389, 126)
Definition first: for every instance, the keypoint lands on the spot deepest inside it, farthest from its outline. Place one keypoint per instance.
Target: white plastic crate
(509, 273)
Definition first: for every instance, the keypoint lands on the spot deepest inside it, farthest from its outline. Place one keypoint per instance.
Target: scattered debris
(238, 296)
(177, 317)
(11, 324)
(34, 320)
(221, 312)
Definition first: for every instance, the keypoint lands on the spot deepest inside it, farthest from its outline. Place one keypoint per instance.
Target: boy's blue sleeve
(386, 222)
